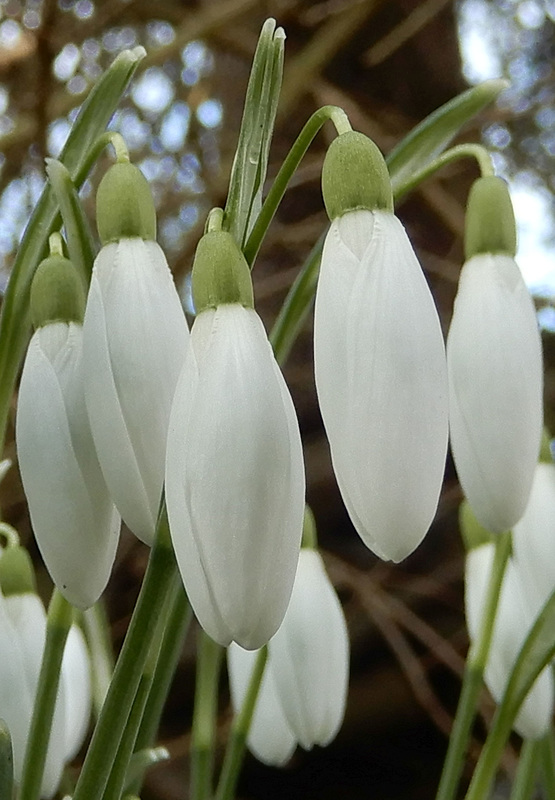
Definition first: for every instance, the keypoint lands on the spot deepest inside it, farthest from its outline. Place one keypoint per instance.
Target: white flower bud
(381, 380)
(135, 335)
(73, 516)
(234, 479)
(512, 624)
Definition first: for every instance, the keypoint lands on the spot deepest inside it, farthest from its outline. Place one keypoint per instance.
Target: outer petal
(16, 693)
(534, 539)
(270, 738)
(235, 480)
(381, 380)
(28, 617)
(512, 624)
(73, 517)
(495, 389)
(76, 675)
(134, 342)
(309, 656)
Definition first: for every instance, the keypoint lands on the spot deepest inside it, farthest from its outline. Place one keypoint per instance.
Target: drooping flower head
(135, 336)
(22, 637)
(74, 519)
(379, 357)
(234, 466)
(304, 687)
(495, 365)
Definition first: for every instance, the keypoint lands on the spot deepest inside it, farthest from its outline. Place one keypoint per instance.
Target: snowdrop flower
(234, 465)
(512, 624)
(135, 336)
(379, 357)
(304, 687)
(74, 520)
(22, 636)
(495, 366)
(534, 538)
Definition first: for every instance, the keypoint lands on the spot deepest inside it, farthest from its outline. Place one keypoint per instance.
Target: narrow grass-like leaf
(91, 121)
(79, 238)
(6, 762)
(433, 134)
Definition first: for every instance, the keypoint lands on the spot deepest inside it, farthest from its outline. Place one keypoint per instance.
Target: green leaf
(80, 242)
(78, 155)
(536, 653)
(425, 142)
(6, 762)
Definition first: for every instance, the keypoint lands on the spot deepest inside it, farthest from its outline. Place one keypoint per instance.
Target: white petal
(495, 389)
(534, 539)
(270, 738)
(235, 480)
(309, 656)
(76, 675)
(381, 381)
(512, 624)
(16, 694)
(134, 342)
(73, 517)
(28, 617)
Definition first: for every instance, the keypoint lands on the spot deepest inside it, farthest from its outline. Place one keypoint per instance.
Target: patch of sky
(77, 85)
(4, 99)
(32, 19)
(117, 39)
(175, 126)
(6, 125)
(83, 9)
(171, 233)
(66, 62)
(134, 130)
(149, 168)
(10, 34)
(497, 135)
(159, 33)
(197, 61)
(153, 92)
(56, 136)
(189, 215)
(91, 49)
(210, 113)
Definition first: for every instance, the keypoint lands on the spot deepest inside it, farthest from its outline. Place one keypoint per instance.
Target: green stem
(97, 633)
(129, 668)
(203, 737)
(473, 675)
(286, 172)
(547, 754)
(59, 620)
(237, 742)
(476, 151)
(525, 780)
(172, 646)
(296, 305)
(117, 780)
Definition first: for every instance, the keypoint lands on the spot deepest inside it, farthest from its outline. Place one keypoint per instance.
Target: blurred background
(388, 64)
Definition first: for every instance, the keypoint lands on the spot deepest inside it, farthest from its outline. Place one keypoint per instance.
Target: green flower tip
(310, 538)
(220, 273)
(57, 292)
(490, 221)
(546, 456)
(473, 534)
(16, 572)
(124, 205)
(355, 176)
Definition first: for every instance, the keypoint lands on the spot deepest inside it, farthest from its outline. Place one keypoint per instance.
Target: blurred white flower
(304, 688)
(512, 624)
(135, 335)
(22, 635)
(235, 479)
(74, 519)
(494, 360)
(381, 380)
